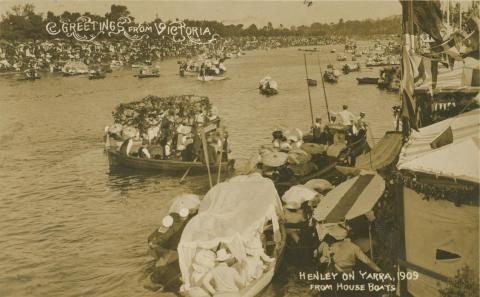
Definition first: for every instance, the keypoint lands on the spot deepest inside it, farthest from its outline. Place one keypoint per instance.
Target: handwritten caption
(355, 280)
(86, 29)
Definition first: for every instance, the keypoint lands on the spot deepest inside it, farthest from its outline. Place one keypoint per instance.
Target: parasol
(298, 156)
(319, 185)
(274, 159)
(313, 148)
(296, 195)
(188, 201)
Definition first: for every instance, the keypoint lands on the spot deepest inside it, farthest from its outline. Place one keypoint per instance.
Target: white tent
(441, 237)
(418, 155)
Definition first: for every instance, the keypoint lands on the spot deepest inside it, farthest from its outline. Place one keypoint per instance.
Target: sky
(260, 12)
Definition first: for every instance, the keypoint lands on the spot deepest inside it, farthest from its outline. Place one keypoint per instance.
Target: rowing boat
(117, 160)
(211, 78)
(257, 207)
(367, 80)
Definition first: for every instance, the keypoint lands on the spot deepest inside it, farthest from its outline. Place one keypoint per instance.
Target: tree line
(21, 22)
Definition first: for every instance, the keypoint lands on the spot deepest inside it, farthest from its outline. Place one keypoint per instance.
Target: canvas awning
(383, 153)
(350, 199)
(459, 159)
(230, 213)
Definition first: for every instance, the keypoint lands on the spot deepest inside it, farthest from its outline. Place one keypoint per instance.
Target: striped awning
(350, 199)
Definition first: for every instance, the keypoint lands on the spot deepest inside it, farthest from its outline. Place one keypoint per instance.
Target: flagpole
(323, 85)
(308, 88)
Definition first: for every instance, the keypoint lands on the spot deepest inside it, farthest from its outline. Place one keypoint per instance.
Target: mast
(308, 88)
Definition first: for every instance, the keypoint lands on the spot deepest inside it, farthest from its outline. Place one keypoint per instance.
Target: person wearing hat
(157, 240)
(317, 130)
(337, 250)
(228, 281)
(361, 124)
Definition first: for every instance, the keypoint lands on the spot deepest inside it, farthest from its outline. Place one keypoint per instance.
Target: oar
(187, 172)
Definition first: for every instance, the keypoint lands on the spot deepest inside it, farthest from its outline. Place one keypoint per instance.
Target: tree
(117, 11)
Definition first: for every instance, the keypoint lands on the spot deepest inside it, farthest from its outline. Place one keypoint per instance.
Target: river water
(69, 227)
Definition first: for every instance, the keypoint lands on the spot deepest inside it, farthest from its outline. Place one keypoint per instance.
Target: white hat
(222, 255)
(184, 212)
(167, 221)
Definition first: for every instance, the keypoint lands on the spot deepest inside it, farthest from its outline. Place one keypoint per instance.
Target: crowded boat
(267, 86)
(173, 134)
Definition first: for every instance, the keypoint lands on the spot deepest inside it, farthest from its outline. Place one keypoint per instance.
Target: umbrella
(298, 156)
(188, 201)
(295, 132)
(319, 185)
(313, 148)
(296, 195)
(274, 159)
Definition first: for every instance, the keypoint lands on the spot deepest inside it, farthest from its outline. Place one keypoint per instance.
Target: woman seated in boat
(228, 280)
(257, 260)
(144, 153)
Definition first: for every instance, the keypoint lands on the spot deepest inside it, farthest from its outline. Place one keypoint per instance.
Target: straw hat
(274, 159)
(184, 212)
(296, 195)
(167, 221)
(319, 185)
(223, 255)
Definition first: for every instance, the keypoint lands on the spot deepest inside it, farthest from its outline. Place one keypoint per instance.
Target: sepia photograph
(239, 148)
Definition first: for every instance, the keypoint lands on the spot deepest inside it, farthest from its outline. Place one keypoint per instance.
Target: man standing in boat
(347, 117)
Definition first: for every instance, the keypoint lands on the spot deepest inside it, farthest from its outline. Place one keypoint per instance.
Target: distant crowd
(52, 54)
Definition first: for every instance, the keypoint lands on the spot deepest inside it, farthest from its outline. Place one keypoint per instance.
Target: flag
(427, 16)
(408, 88)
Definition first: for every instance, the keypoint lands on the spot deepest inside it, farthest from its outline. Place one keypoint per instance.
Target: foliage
(21, 23)
(463, 284)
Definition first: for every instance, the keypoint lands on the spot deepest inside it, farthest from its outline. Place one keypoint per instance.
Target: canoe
(149, 75)
(96, 76)
(211, 78)
(117, 160)
(367, 80)
(268, 91)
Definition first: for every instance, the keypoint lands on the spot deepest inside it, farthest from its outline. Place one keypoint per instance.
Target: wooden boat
(340, 152)
(147, 75)
(31, 74)
(211, 78)
(174, 167)
(96, 75)
(347, 68)
(254, 197)
(330, 77)
(367, 80)
(268, 91)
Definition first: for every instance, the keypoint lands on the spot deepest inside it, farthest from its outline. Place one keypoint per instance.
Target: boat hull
(211, 78)
(367, 80)
(173, 167)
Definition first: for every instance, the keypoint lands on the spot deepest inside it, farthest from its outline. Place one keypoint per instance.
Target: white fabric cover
(230, 213)
(417, 155)
(439, 224)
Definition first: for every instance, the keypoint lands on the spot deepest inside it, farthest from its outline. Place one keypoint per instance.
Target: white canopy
(458, 159)
(231, 213)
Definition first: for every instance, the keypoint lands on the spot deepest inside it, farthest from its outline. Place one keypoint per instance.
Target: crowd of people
(52, 54)
(169, 128)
